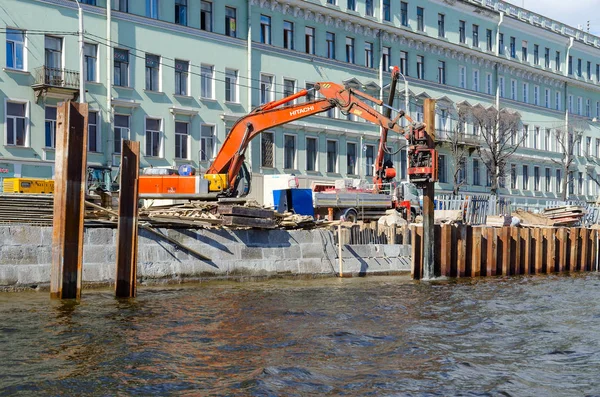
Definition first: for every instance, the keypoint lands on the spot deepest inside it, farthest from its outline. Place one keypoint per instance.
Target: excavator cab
(243, 182)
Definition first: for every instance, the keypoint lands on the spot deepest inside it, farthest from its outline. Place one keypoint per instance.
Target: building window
(420, 67)
(547, 57)
(206, 16)
(231, 21)
(121, 67)
(351, 5)
(513, 47)
(536, 54)
(207, 142)
(288, 35)
(181, 12)
(513, 176)
(475, 36)
(547, 180)
(266, 88)
(121, 5)
(547, 98)
(588, 146)
(597, 147)
(462, 34)
(441, 25)
(369, 159)
(588, 110)
(570, 103)
(525, 177)
(267, 150)
(265, 29)
(386, 10)
(441, 72)
(488, 40)
(488, 83)
(589, 70)
(442, 168)
(558, 182)
(524, 51)
(386, 58)
(153, 137)
(501, 83)
(309, 40)
(579, 67)
(501, 44)
(513, 90)
(90, 60)
(557, 61)
(289, 155)
(310, 96)
(311, 154)
(182, 69)
(53, 60)
(476, 80)
(536, 179)
(536, 137)
(404, 63)
(93, 136)
(330, 37)
(152, 72)
(152, 9)
(331, 2)
(15, 49)
(50, 126)
(557, 103)
(476, 181)
(369, 8)
(349, 50)
(404, 13)
(570, 65)
(121, 131)
(547, 139)
(597, 73)
(368, 55)
(207, 81)
(580, 183)
(351, 158)
(462, 76)
(231, 85)
(536, 95)
(289, 87)
(420, 19)
(182, 137)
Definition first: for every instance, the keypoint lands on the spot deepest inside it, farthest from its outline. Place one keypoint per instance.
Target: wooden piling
(69, 196)
(515, 263)
(476, 252)
(505, 238)
(492, 252)
(550, 236)
(595, 255)
(526, 251)
(461, 260)
(127, 236)
(584, 237)
(539, 251)
(446, 250)
(573, 237)
(563, 239)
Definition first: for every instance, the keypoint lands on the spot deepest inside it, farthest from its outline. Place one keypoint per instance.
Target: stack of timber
(194, 214)
(234, 215)
(289, 220)
(568, 215)
(498, 220)
(33, 209)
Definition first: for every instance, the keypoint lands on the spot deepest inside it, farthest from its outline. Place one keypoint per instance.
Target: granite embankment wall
(26, 255)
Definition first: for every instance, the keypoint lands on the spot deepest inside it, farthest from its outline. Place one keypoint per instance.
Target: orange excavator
(228, 170)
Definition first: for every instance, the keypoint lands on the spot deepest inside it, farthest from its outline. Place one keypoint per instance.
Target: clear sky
(571, 12)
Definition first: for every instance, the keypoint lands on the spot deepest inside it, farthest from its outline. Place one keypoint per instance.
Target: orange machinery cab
(169, 181)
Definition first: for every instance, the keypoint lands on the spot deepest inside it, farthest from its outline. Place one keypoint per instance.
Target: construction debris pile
(558, 216)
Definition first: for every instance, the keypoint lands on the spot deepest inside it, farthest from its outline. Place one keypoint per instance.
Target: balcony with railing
(56, 83)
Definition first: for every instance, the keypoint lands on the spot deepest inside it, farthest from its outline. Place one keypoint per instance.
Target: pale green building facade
(176, 74)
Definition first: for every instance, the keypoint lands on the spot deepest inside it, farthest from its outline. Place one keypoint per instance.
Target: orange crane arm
(231, 155)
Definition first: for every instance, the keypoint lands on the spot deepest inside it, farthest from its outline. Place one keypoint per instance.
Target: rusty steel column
(429, 270)
(127, 235)
(69, 197)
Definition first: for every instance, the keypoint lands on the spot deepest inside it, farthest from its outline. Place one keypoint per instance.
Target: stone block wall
(26, 255)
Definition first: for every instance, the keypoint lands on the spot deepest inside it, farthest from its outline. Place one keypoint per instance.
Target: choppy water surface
(370, 336)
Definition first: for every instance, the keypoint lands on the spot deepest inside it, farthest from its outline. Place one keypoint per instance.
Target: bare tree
(593, 160)
(498, 131)
(459, 151)
(568, 138)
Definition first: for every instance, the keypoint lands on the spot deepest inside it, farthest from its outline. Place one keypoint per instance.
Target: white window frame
(295, 165)
(24, 48)
(270, 92)
(525, 92)
(316, 139)
(161, 137)
(98, 131)
(536, 95)
(557, 100)
(203, 92)
(274, 148)
(213, 138)
(128, 67)
(188, 87)
(501, 82)
(337, 159)
(26, 142)
(514, 95)
(462, 77)
(52, 139)
(294, 90)
(489, 84)
(236, 86)
(128, 131)
(97, 74)
(159, 83)
(547, 98)
(188, 138)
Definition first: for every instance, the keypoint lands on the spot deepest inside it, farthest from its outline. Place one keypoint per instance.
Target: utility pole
(429, 270)
(81, 56)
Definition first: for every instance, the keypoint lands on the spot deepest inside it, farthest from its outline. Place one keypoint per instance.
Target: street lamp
(81, 66)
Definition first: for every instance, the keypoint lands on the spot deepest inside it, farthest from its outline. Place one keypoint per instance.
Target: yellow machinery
(28, 185)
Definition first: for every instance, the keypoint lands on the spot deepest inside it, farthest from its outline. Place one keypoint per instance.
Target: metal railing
(55, 77)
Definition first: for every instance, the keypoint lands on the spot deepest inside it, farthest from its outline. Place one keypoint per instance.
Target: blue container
(299, 201)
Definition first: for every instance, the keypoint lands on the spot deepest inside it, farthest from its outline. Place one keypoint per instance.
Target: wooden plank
(539, 251)
(515, 249)
(232, 220)
(446, 250)
(461, 258)
(476, 252)
(492, 252)
(594, 251)
(69, 195)
(505, 239)
(574, 241)
(550, 237)
(127, 235)
(526, 251)
(583, 242)
(253, 212)
(563, 239)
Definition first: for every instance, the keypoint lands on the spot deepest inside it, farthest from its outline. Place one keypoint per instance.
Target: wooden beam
(127, 235)
(539, 250)
(574, 240)
(563, 239)
(515, 263)
(69, 195)
(584, 237)
(594, 257)
(461, 252)
(492, 252)
(550, 235)
(253, 212)
(476, 252)
(505, 239)
(446, 250)
(526, 250)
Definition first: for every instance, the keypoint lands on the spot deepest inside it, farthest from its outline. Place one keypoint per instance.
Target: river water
(523, 336)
